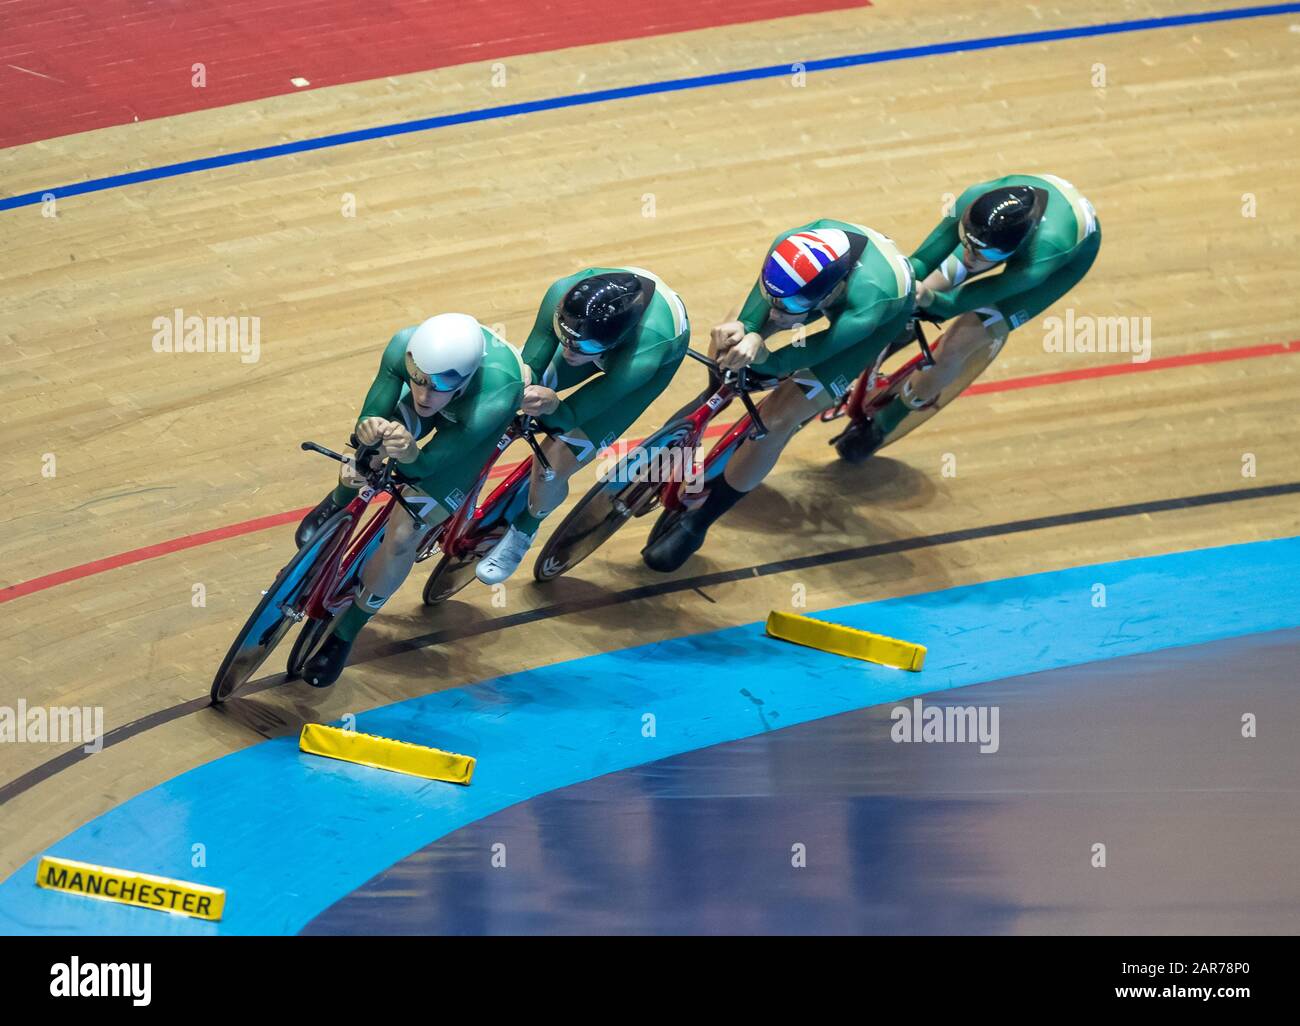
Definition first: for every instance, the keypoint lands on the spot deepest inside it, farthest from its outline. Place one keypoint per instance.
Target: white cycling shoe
(505, 557)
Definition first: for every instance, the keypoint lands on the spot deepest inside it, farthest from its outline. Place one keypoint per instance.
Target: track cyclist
(611, 340)
(1041, 232)
(859, 281)
(449, 377)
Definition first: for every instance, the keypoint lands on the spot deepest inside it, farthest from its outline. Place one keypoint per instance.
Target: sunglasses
(582, 346)
(445, 381)
(787, 304)
(989, 253)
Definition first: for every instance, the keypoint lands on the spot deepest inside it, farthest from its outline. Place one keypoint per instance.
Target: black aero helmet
(599, 312)
(998, 222)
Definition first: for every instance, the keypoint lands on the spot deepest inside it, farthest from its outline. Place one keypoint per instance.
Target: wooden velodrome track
(482, 216)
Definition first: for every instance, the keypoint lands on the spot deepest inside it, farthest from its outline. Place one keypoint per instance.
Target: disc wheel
(627, 491)
(450, 575)
(277, 612)
(666, 522)
(307, 644)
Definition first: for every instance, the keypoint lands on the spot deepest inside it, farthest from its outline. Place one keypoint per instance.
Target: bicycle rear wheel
(277, 612)
(667, 520)
(452, 573)
(629, 490)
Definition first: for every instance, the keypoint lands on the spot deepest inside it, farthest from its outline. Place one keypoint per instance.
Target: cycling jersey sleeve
(386, 389)
(541, 345)
(945, 238)
(849, 329)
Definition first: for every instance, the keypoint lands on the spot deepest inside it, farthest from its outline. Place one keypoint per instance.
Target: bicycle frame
(325, 599)
(871, 385)
(459, 534)
(671, 494)
(458, 538)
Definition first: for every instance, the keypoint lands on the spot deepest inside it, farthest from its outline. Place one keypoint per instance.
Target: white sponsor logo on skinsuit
(584, 447)
(812, 388)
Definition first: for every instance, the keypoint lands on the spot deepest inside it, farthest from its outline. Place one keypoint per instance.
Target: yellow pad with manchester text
(128, 888)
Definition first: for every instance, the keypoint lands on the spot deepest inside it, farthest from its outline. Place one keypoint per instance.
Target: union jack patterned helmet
(803, 269)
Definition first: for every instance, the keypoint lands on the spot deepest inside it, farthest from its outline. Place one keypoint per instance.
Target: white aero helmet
(447, 349)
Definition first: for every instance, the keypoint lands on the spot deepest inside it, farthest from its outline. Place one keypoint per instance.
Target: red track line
(191, 541)
(1111, 369)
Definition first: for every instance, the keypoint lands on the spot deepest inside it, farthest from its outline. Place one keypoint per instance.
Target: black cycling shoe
(675, 546)
(858, 442)
(324, 667)
(314, 520)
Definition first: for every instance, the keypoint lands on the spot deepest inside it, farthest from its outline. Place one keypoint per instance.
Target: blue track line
(626, 92)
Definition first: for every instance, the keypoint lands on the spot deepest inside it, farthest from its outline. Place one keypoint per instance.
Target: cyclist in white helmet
(449, 378)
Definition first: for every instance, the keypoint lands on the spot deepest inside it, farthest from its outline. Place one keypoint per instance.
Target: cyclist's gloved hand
(727, 334)
(399, 444)
(749, 349)
(539, 400)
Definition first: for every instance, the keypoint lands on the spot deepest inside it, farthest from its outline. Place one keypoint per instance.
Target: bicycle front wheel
(278, 611)
(630, 489)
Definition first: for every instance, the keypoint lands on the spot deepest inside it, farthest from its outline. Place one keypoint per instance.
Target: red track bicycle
(475, 529)
(319, 582)
(873, 391)
(654, 474)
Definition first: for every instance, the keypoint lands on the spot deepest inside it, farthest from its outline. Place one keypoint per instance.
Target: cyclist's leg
(980, 336)
(790, 405)
(794, 402)
(803, 396)
(567, 452)
(460, 453)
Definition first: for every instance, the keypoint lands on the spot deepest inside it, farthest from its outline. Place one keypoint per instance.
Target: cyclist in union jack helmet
(858, 281)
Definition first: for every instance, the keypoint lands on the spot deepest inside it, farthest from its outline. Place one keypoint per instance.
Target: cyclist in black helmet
(620, 334)
(1038, 233)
